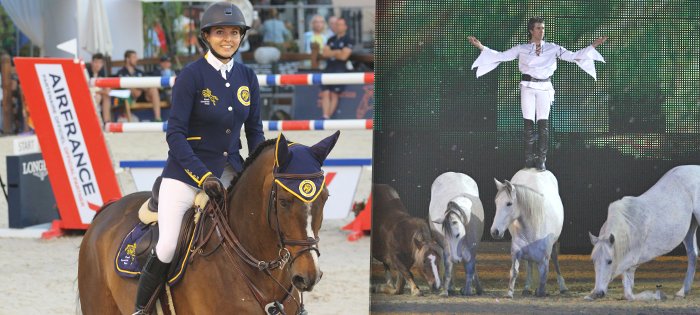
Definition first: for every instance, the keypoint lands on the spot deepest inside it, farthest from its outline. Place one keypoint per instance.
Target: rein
(218, 214)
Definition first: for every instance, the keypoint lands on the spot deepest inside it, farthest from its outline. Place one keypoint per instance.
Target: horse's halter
(310, 243)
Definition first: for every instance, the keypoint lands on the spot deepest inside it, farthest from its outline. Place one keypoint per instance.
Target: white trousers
(174, 199)
(535, 103)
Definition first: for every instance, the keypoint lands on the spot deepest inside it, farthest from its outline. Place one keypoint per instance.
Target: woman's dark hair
(531, 24)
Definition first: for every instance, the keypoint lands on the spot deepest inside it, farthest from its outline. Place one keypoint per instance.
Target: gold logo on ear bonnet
(244, 95)
(307, 188)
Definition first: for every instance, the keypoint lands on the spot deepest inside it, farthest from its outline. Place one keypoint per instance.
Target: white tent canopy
(49, 23)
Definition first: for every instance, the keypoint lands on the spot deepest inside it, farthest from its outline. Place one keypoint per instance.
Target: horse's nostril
(299, 282)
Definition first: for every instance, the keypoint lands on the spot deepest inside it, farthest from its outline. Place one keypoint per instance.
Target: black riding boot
(529, 142)
(152, 276)
(542, 143)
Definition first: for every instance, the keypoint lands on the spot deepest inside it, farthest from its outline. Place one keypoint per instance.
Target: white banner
(71, 141)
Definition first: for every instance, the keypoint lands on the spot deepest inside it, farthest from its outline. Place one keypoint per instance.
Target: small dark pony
(261, 247)
(401, 242)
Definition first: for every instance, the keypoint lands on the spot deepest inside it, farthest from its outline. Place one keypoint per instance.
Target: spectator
(275, 33)
(337, 52)
(164, 69)
(140, 95)
(317, 34)
(330, 31)
(96, 69)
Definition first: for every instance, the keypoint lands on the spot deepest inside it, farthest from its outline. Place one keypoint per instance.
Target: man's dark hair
(128, 53)
(98, 56)
(531, 24)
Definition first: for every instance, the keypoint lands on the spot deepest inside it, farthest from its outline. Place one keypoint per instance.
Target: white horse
(456, 211)
(530, 208)
(639, 229)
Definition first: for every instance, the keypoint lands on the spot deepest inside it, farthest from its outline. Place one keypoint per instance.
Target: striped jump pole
(268, 125)
(351, 78)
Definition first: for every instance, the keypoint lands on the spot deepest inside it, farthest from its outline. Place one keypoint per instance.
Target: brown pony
(401, 242)
(264, 249)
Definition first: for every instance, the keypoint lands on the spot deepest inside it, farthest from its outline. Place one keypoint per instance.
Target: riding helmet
(223, 14)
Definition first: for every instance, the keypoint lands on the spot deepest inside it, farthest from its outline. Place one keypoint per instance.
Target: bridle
(310, 243)
(217, 212)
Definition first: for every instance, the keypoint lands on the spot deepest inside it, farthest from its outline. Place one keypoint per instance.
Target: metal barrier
(268, 125)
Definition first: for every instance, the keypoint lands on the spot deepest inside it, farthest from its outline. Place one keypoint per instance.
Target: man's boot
(542, 143)
(529, 143)
(152, 276)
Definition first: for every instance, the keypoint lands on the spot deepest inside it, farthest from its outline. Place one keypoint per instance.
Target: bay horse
(530, 208)
(401, 242)
(456, 211)
(262, 248)
(639, 229)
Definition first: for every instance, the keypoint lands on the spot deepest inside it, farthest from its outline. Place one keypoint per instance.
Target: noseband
(310, 243)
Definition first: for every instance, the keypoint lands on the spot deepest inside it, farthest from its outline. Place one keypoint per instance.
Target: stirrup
(139, 312)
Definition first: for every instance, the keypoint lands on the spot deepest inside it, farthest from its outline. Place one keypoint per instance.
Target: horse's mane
(622, 216)
(532, 210)
(251, 158)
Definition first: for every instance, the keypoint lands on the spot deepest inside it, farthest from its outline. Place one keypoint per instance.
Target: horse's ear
(612, 239)
(594, 239)
(499, 185)
(509, 185)
(281, 150)
(439, 220)
(324, 147)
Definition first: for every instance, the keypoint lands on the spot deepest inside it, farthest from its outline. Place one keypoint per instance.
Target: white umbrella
(98, 38)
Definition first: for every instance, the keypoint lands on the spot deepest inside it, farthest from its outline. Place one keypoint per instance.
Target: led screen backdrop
(608, 138)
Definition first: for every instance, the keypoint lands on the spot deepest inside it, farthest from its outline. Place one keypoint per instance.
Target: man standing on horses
(212, 99)
(537, 61)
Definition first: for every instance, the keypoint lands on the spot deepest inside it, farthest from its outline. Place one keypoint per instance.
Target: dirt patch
(493, 266)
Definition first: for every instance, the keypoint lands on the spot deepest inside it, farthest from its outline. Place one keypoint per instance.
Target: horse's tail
(78, 308)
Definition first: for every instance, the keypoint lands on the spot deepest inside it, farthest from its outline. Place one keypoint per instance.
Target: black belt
(526, 77)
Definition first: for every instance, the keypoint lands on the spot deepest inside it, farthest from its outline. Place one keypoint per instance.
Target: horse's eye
(509, 204)
(284, 203)
(609, 261)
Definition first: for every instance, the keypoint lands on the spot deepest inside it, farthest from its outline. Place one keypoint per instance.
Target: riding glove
(213, 187)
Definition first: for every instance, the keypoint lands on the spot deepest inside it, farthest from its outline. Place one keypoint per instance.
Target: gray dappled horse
(639, 229)
(530, 208)
(456, 211)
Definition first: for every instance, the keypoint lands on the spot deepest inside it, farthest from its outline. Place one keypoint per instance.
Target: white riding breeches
(535, 103)
(174, 199)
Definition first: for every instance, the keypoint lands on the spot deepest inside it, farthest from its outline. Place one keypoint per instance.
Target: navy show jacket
(205, 121)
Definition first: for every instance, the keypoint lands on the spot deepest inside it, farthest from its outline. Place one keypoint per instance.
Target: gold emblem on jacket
(244, 95)
(208, 96)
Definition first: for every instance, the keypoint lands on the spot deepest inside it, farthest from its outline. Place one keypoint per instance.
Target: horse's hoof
(509, 295)
(565, 291)
(527, 292)
(541, 294)
(416, 292)
(479, 291)
(465, 292)
(660, 295)
(444, 293)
